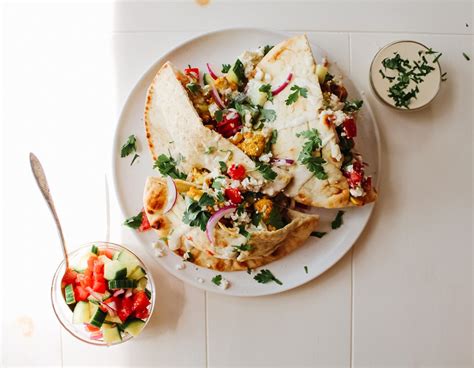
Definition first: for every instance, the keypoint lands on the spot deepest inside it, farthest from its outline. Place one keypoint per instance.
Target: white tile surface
(402, 299)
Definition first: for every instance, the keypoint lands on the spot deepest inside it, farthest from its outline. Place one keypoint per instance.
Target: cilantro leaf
(243, 248)
(266, 49)
(223, 167)
(271, 141)
(267, 115)
(193, 87)
(196, 216)
(318, 234)
(466, 56)
(239, 70)
(256, 218)
(219, 115)
(243, 232)
(217, 280)
(297, 91)
(167, 167)
(134, 158)
(135, 221)
(306, 157)
(352, 106)
(129, 146)
(337, 222)
(267, 89)
(266, 171)
(306, 269)
(225, 68)
(210, 150)
(206, 200)
(275, 219)
(265, 276)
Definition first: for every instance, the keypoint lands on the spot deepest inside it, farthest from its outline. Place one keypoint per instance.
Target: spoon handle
(40, 177)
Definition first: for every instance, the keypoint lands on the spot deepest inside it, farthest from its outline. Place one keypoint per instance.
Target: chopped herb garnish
(217, 280)
(223, 167)
(265, 276)
(266, 49)
(196, 214)
(243, 232)
(337, 222)
(318, 234)
(217, 184)
(129, 146)
(220, 197)
(135, 221)
(443, 77)
(210, 150)
(243, 248)
(466, 56)
(225, 68)
(256, 218)
(275, 219)
(312, 146)
(297, 91)
(267, 89)
(239, 70)
(267, 115)
(218, 115)
(193, 87)
(352, 106)
(266, 171)
(271, 141)
(167, 167)
(306, 269)
(206, 200)
(134, 158)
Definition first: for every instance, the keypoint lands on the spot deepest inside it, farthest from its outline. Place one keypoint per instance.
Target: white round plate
(317, 254)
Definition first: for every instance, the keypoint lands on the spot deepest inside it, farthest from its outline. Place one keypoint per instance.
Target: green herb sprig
(297, 92)
(167, 167)
(306, 156)
(266, 276)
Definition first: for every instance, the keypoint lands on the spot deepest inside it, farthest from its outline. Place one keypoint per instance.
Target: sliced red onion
(211, 224)
(282, 161)
(119, 292)
(172, 194)
(217, 98)
(110, 310)
(94, 294)
(212, 74)
(128, 293)
(96, 335)
(283, 86)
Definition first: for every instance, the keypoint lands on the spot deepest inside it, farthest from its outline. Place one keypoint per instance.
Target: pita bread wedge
(232, 249)
(307, 132)
(173, 127)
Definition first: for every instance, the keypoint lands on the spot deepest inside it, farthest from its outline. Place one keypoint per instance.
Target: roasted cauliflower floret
(253, 144)
(264, 206)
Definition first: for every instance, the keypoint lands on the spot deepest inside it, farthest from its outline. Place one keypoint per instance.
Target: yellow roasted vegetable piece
(264, 206)
(253, 144)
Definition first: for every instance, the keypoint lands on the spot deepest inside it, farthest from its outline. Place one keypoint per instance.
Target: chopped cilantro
(243, 248)
(217, 184)
(243, 232)
(223, 167)
(210, 150)
(193, 87)
(337, 222)
(167, 167)
(265, 276)
(297, 91)
(218, 115)
(443, 77)
(466, 56)
(271, 141)
(267, 115)
(306, 157)
(135, 221)
(267, 89)
(220, 197)
(225, 68)
(196, 214)
(217, 280)
(306, 269)
(318, 234)
(266, 49)
(129, 146)
(266, 171)
(134, 158)
(239, 70)
(275, 219)
(256, 218)
(352, 106)
(206, 200)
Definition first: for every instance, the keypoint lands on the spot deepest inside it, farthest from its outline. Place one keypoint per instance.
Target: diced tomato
(69, 277)
(86, 279)
(91, 261)
(91, 328)
(192, 71)
(125, 308)
(98, 268)
(350, 127)
(367, 184)
(80, 293)
(233, 194)
(100, 286)
(109, 253)
(355, 178)
(145, 225)
(140, 301)
(230, 124)
(145, 313)
(237, 172)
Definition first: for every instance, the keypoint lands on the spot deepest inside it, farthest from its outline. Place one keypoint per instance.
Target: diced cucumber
(111, 335)
(134, 326)
(148, 293)
(142, 283)
(104, 259)
(81, 265)
(137, 273)
(94, 249)
(255, 95)
(97, 318)
(114, 270)
(122, 284)
(207, 79)
(81, 313)
(128, 260)
(232, 77)
(114, 319)
(69, 294)
(321, 72)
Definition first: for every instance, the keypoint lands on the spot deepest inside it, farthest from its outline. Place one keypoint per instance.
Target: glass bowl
(64, 313)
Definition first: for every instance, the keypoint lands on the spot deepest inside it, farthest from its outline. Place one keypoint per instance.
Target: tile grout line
(107, 210)
(351, 328)
(206, 329)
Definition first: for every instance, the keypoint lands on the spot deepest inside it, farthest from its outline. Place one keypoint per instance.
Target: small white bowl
(428, 89)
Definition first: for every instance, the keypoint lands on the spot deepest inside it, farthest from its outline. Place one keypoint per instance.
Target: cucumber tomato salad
(107, 291)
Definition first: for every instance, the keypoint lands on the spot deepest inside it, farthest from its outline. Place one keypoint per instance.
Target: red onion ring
(172, 194)
(217, 98)
(211, 73)
(283, 86)
(211, 224)
(119, 292)
(282, 161)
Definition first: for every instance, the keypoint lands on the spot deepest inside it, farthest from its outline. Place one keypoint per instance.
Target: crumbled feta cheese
(213, 108)
(159, 252)
(267, 78)
(265, 157)
(249, 59)
(180, 266)
(259, 74)
(339, 117)
(251, 184)
(242, 218)
(234, 184)
(336, 151)
(224, 284)
(349, 168)
(248, 118)
(357, 191)
(335, 103)
(200, 280)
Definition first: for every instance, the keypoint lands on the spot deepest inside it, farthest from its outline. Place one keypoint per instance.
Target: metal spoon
(40, 177)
